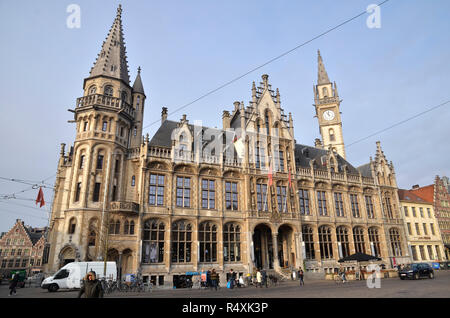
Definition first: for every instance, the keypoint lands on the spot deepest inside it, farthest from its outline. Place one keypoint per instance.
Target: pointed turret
(112, 59)
(322, 76)
(137, 86)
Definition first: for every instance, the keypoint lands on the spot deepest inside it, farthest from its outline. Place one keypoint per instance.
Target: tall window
(261, 197)
(281, 198)
(184, 192)
(358, 237)
(96, 194)
(208, 194)
(429, 212)
(100, 162)
(92, 237)
(425, 231)
(408, 225)
(153, 242)
(432, 229)
(208, 242)
(181, 242)
(281, 158)
(128, 228)
(325, 242)
(266, 117)
(374, 240)
(72, 225)
(422, 252)
(421, 212)
(104, 125)
(332, 136)
(303, 198)
(257, 156)
(322, 203)
(308, 238)
(133, 181)
(388, 208)
(108, 90)
(231, 195)
(414, 211)
(430, 252)
(438, 252)
(414, 253)
(339, 204)
(342, 238)
(114, 227)
(232, 243)
(355, 206)
(156, 190)
(82, 161)
(417, 229)
(77, 192)
(396, 246)
(369, 207)
(406, 211)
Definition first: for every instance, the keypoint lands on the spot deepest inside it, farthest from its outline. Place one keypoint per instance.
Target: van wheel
(53, 288)
(416, 276)
(431, 275)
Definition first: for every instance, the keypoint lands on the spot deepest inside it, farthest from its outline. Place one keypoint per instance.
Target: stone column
(276, 263)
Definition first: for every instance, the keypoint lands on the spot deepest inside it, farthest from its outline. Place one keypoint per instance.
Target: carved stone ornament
(275, 217)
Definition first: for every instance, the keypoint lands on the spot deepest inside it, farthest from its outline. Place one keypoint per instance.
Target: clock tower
(327, 104)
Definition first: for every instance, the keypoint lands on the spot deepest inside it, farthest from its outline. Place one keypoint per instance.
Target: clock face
(328, 115)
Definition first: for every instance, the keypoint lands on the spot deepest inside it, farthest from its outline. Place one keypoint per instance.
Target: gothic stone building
(185, 200)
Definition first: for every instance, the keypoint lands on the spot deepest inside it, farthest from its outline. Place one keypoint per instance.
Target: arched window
(325, 242)
(126, 227)
(72, 225)
(129, 228)
(181, 242)
(325, 92)
(114, 227)
(331, 134)
(92, 238)
(153, 241)
(358, 237)
(92, 90)
(266, 117)
(374, 240)
(208, 242)
(108, 91)
(124, 96)
(396, 245)
(232, 243)
(342, 238)
(308, 238)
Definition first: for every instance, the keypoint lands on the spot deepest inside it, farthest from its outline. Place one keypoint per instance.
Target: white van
(71, 275)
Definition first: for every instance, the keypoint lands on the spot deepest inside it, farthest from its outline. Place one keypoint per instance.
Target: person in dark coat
(214, 279)
(13, 284)
(300, 277)
(264, 277)
(92, 287)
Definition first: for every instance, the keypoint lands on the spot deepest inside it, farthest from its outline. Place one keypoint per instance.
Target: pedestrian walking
(13, 284)
(232, 279)
(92, 287)
(264, 277)
(214, 279)
(300, 277)
(258, 278)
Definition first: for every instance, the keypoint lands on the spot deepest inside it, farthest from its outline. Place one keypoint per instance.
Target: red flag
(270, 174)
(290, 178)
(40, 198)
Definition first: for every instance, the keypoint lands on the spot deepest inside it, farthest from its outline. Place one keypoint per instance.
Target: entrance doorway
(286, 246)
(263, 247)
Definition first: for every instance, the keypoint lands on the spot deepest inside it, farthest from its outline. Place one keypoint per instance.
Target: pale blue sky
(186, 48)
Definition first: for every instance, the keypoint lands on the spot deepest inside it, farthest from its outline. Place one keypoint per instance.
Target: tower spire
(112, 59)
(137, 86)
(322, 76)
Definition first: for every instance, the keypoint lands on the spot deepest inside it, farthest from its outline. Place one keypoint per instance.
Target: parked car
(416, 271)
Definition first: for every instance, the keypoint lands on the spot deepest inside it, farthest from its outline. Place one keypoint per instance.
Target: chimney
(265, 79)
(163, 115)
(226, 119)
(416, 186)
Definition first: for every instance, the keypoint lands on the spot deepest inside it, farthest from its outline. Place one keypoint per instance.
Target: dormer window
(108, 90)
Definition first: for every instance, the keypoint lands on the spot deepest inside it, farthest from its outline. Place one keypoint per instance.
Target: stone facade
(193, 198)
(422, 229)
(22, 248)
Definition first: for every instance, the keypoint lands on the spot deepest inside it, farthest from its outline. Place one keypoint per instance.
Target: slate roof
(365, 170)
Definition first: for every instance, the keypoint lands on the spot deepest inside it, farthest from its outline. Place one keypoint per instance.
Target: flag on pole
(40, 198)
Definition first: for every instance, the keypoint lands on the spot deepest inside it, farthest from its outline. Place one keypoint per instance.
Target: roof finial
(139, 70)
(119, 10)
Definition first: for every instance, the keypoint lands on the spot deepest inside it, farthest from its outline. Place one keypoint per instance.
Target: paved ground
(390, 288)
